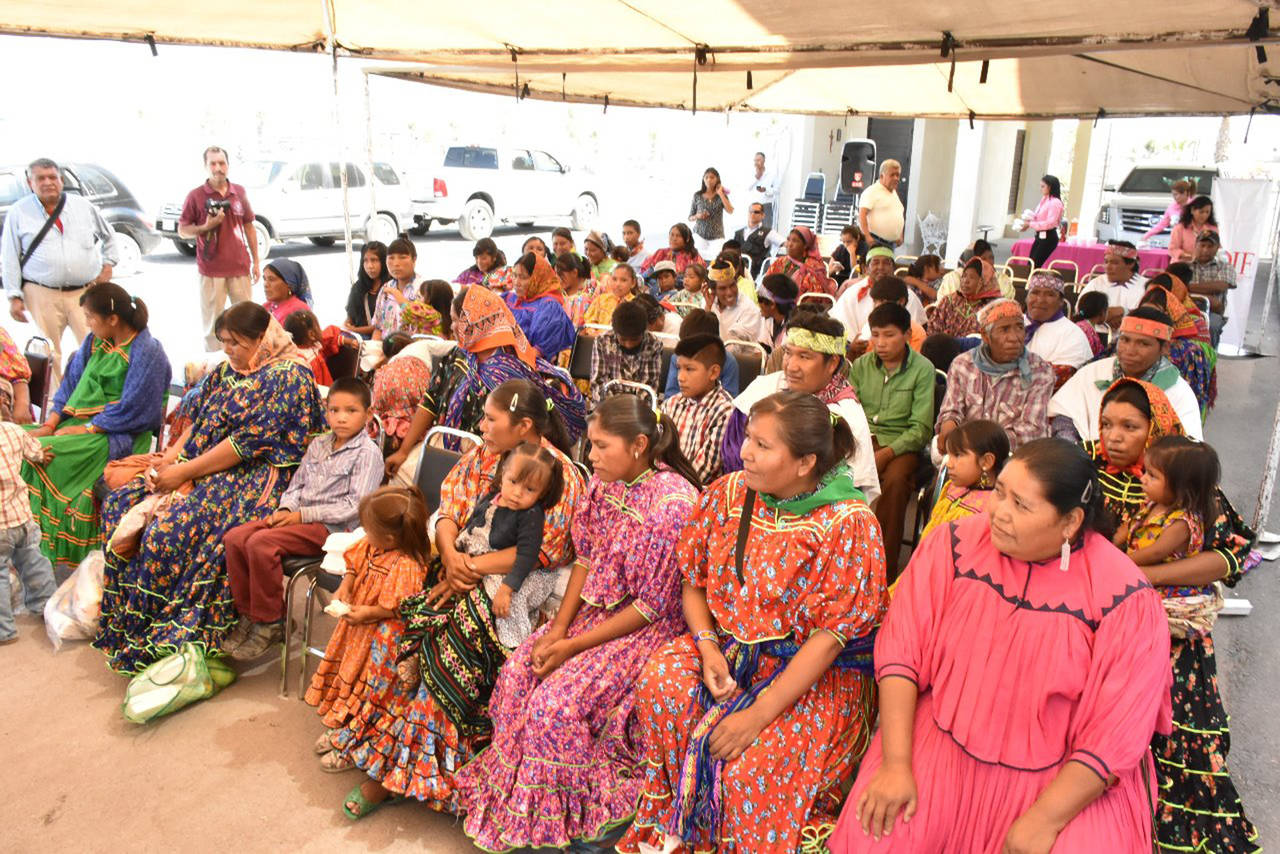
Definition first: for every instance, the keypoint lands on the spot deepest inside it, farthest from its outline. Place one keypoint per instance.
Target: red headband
(1150, 328)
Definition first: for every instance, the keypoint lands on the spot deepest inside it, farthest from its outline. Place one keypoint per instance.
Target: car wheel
(129, 253)
(263, 235)
(476, 221)
(185, 247)
(382, 228)
(585, 212)
(323, 241)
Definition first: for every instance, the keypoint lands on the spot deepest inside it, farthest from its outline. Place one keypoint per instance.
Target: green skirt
(62, 492)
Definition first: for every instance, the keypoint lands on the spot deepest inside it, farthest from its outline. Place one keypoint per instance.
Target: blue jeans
(1216, 322)
(20, 549)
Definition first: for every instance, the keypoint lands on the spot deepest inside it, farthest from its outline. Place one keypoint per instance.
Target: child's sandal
(366, 807)
(335, 762)
(324, 744)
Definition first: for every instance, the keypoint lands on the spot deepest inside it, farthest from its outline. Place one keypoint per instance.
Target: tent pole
(330, 17)
(368, 143)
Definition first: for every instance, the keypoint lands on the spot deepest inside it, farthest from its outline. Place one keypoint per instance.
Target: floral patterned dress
(413, 741)
(957, 315)
(956, 503)
(175, 588)
(1199, 808)
(566, 758)
(382, 578)
(821, 569)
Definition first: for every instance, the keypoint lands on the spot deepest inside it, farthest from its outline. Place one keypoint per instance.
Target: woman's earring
(985, 480)
(1065, 562)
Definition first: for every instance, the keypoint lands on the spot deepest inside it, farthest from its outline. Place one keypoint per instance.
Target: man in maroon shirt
(217, 214)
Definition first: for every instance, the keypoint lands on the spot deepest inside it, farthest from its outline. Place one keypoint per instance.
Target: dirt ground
(235, 772)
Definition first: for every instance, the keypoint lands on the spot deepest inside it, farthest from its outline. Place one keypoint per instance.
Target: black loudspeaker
(857, 166)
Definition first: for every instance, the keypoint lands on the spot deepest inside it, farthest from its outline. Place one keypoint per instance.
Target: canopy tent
(893, 58)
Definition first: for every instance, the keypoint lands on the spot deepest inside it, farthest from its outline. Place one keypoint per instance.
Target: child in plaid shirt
(702, 408)
(626, 352)
(19, 533)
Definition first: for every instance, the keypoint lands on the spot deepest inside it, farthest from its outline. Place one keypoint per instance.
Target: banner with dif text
(1242, 207)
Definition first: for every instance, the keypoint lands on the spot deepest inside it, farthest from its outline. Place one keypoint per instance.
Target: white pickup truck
(479, 186)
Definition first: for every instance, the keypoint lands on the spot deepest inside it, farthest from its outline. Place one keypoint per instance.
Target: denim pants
(20, 549)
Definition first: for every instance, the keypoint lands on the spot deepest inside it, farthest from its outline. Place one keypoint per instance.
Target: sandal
(366, 806)
(324, 744)
(335, 762)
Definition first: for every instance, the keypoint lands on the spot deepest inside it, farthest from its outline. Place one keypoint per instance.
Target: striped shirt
(329, 483)
(16, 445)
(700, 423)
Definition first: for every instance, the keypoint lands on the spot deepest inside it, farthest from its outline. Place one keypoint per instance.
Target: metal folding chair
(814, 296)
(630, 386)
(751, 356)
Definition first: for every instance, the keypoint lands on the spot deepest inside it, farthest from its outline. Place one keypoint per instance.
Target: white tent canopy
(1047, 60)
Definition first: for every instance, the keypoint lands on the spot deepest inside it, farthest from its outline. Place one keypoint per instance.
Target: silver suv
(1130, 211)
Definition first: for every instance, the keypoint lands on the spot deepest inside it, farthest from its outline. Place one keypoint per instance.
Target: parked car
(134, 235)
(478, 187)
(303, 198)
(1128, 212)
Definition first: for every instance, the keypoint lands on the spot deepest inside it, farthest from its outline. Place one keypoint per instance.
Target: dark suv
(135, 235)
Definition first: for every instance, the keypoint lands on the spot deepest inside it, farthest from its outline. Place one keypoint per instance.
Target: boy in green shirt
(895, 387)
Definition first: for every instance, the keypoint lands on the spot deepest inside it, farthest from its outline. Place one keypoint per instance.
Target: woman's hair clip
(835, 419)
(551, 405)
(1087, 495)
(515, 401)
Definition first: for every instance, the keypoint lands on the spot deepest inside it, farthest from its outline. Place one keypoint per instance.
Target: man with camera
(55, 244)
(217, 214)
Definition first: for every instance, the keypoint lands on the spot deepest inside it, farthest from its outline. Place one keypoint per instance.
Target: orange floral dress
(822, 570)
(382, 578)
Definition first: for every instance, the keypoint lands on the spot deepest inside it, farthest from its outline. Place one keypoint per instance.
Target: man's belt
(56, 287)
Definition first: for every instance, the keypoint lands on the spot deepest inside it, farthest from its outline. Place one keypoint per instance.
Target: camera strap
(40, 235)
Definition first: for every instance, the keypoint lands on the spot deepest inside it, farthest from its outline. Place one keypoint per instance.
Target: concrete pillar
(1079, 170)
(965, 189)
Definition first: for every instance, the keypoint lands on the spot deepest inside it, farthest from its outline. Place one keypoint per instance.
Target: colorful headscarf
(276, 346)
(997, 310)
(294, 276)
(989, 289)
(1125, 252)
(1186, 320)
(1150, 328)
(810, 242)
(1164, 422)
(543, 282)
(486, 322)
(1045, 280)
(829, 345)
(418, 317)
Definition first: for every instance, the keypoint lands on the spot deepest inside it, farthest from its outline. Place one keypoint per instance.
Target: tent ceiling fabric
(880, 58)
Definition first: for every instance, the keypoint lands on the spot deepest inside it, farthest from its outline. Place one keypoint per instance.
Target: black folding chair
(436, 462)
(345, 362)
(750, 356)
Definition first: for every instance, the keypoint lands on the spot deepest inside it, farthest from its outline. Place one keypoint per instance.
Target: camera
(213, 206)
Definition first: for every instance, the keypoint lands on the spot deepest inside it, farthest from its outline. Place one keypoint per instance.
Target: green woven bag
(175, 682)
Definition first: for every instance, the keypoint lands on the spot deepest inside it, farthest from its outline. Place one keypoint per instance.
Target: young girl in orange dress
(976, 452)
(389, 564)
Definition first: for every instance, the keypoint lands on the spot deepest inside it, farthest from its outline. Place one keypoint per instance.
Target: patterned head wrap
(810, 241)
(1046, 281)
(276, 346)
(1125, 252)
(722, 271)
(818, 342)
(486, 322)
(1150, 328)
(996, 311)
(543, 282)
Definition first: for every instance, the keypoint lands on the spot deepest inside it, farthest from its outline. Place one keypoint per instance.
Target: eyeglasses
(757, 210)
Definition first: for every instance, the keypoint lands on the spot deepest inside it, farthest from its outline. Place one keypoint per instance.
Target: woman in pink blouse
(1196, 218)
(1182, 192)
(1023, 667)
(1044, 222)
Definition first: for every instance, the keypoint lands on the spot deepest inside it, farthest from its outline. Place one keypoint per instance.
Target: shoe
(239, 634)
(261, 638)
(10, 639)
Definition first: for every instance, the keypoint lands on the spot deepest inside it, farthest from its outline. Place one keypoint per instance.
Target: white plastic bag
(72, 611)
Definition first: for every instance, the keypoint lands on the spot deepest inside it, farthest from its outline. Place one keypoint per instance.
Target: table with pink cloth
(1086, 255)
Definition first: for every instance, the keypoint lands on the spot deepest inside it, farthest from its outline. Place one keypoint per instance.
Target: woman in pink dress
(565, 763)
(1023, 667)
(1044, 222)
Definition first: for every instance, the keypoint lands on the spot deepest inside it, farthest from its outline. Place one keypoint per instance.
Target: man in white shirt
(1121, 282)
(1141, 351)
(880, 212)
(739, 318)
(78, 249)
(855, 303)
(762, 188)
(1052, 335)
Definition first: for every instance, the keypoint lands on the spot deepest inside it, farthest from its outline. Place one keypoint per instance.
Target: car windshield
(1160, 181)
(257, 173)
(471, 158)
